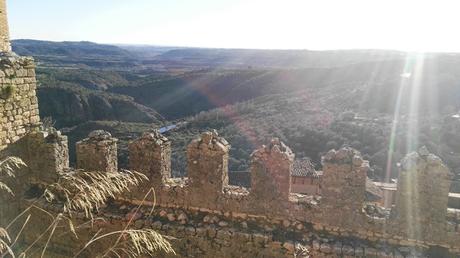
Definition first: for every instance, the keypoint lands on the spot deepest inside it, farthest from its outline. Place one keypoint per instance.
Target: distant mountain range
(126, 57)
(68, 49)
(181, 82)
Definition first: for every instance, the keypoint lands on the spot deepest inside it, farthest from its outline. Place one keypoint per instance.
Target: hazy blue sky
(430, 25)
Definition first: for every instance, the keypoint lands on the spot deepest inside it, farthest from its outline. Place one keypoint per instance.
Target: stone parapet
(277, 221)
(213, 233)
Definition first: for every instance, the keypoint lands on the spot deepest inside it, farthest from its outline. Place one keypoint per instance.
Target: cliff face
(69, 108)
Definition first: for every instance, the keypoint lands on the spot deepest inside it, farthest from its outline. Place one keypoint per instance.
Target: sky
(411, 25)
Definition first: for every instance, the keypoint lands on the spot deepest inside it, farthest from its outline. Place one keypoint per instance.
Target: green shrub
(8, 91)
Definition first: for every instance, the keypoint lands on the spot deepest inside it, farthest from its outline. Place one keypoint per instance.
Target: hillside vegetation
(303, 123)
(312, 100)
(64, 97)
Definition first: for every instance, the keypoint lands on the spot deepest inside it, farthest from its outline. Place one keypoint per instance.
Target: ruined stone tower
(5, 45)
(18, 100)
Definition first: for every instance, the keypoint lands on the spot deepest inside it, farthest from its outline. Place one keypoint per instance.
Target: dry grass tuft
(146, 241)
(7, 168)
(88, 191)
(133, 242)
(5, 241)
(136, 242)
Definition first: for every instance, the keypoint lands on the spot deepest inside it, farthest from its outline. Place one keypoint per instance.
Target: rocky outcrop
(70, 107)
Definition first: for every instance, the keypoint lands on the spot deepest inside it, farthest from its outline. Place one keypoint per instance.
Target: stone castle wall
(18, 100)
(210, 218)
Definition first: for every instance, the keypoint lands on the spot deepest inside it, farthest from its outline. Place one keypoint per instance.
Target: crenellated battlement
(421, 206)
(341, 210)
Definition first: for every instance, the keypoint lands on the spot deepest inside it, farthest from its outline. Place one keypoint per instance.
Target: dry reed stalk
(88, 191)
(7, 168)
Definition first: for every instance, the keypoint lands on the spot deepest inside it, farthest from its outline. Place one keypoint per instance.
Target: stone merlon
(207, 163)
(422, 196)
(271, 168)
(98, 152)
(151, 155)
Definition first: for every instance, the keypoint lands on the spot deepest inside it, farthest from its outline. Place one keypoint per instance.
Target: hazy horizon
(420, 26)
(198, 47)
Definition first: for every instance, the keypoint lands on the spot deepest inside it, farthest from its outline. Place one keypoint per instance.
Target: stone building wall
(18, 100)
(306, 185)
